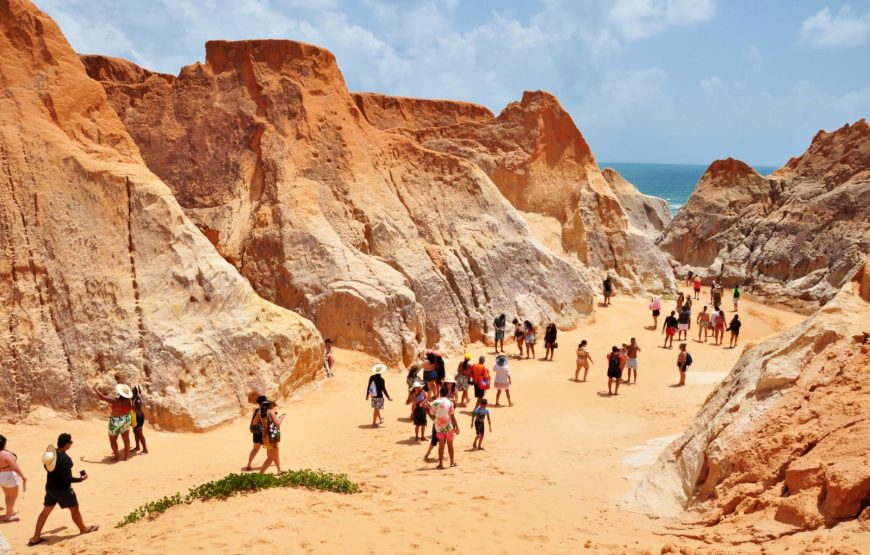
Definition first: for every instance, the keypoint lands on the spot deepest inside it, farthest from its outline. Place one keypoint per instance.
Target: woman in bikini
(583, 360)
(530, 338)
(10, 478)
(120, 421)
(519, 336)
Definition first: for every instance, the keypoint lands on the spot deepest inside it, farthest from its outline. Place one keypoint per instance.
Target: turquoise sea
(672, 182)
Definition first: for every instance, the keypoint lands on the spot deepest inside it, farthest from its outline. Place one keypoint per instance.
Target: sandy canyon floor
(549, 481)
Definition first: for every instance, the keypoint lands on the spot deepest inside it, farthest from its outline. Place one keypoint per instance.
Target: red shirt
(477, 373)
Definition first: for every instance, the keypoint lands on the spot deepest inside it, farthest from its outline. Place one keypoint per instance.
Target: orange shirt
(477, 373)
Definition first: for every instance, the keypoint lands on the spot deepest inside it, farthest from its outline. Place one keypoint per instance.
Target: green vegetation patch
(234, 484)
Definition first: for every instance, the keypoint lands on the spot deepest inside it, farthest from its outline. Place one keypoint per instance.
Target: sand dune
(550, 479)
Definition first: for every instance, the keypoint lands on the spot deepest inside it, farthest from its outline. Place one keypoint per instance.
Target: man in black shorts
(58, 488)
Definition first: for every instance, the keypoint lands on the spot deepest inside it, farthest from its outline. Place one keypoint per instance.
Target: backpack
(688, 359)
(484, 379)
(256, 428)
(613, 364)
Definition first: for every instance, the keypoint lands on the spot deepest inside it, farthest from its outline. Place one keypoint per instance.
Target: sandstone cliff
(102, 276)
(389, 112)
(541, 163)
(386, 245)
(796, 234)
(782, 444)
(646, 213)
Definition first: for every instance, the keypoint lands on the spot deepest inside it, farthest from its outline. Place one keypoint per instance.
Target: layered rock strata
(782, 443)
(649, 214)
(387, 246)
(795, 235)
(103, 278)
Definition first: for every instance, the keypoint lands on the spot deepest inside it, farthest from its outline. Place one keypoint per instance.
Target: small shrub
(234, 484)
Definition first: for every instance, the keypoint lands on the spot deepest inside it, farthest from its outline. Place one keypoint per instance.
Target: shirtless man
(631, 364)
(703, 322)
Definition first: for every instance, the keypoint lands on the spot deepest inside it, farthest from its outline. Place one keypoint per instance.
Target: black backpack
(614, 362)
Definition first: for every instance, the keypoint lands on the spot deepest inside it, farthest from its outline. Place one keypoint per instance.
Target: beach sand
(554, 467)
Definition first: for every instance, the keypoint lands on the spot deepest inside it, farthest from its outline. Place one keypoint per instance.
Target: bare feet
(440, 467)
(91, 528)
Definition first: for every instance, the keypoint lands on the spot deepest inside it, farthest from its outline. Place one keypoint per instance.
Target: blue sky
(672, 81)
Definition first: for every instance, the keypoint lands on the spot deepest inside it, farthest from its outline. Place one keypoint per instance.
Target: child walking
(477, 418)
(419, 409)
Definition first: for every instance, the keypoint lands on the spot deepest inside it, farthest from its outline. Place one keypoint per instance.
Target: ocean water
(672, 182)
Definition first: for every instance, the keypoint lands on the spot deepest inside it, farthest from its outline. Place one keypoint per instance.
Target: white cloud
(711, 84)
(637, 19)
(846, 29)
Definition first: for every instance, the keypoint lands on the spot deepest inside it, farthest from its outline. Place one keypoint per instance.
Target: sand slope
(550, 480)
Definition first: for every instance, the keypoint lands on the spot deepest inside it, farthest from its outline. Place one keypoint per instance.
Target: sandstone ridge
(386, 245)
(795, 235)
(104, 278)
(646, 213)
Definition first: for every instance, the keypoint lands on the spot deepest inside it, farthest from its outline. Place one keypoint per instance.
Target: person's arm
(12, 463)
(489, 420)
(384, 389)
(274, 418)
(369, 387)
(472, 419)
(101, 396)
(455, 423)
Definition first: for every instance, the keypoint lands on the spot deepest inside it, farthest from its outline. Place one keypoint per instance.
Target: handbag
(256, 429)
(555, 345)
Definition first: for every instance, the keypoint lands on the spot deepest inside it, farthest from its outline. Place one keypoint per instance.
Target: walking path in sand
(550, 479)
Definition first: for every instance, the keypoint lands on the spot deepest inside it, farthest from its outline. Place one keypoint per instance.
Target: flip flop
(91, 528)
(12, 518)
(31, 543)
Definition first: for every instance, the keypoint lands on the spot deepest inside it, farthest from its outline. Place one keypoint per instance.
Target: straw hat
(124, 391)
(417, 384)
(379, 368)
(49, 458)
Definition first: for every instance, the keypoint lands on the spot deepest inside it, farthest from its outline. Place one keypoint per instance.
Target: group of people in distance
(679, 322)
(525, 334)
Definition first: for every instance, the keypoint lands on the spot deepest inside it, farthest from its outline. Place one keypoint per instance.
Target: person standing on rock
(120, 421)
(519, 336)
(583, 361)
(703, 322)
(500, 323)
(683, 322)
(463, 378)
(735, 296)
(734, 328)
(684, 360)
(669, 329)
(549, 342)
(696, 286)
(655, 305)
(10, 478)
(614, 370)
(631, 363)
(530, 338)
(608, 290)
(58, 488)
(376, 391)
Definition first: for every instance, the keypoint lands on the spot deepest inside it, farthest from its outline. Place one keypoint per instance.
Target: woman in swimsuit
(140, 420)
(519, 336)
(583, 361)
(463, 378)
(530, 338)
(10, 478)
(120, 421)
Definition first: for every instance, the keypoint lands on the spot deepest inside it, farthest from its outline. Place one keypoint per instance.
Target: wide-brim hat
(379, 368)
(417, 384)
(124, 391)
(49, 458)
(449, 380)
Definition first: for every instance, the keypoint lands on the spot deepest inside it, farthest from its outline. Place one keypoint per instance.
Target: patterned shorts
(377, 403)
(119, 424)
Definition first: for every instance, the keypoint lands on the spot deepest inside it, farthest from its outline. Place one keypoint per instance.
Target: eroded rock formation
(102, 276)
(782, 443)
(646, 213)
(796, 235)
(541, 163)
(386, 245)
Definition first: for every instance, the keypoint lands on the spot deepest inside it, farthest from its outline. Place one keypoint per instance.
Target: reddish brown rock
(391, 112)
(796, 235)
(103, 277)
(386, 245)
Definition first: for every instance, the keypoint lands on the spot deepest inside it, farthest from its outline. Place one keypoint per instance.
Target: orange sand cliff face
(103, 277)
(796, 235)
(385, 245)
(541, 163)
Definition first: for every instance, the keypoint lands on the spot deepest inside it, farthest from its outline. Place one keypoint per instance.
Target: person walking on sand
(681, 299)
(502, 380)
(655, 305)
(669, 329)
(631, 363)
(10, 478)
(735, 296)
(684, 360)
(608, 290)
(419, 409)
(703, 322)
(696, 286)
(480, 414)
(614, 371)
(719, 327)
(445, 426)
(519, 336)
(58, 488)
(530, 338)
(683, 322)
(717, 296)
(713, 286)
(689, 278)
(328, 360)
(121, 420)
(463, 378)
(499, 324)
(480, 377)
(256, 430)
(583, 361)
(139, 410)
(734, 328)
(430, 374)
(549, 341)
(376, 391)
(271, 424)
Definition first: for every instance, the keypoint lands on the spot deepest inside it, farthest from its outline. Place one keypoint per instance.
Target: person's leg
(616, 386)
(140, 434)
(609, 385)
(40, 523)
(585, 371)
(480, 441)
(254, 451)
(497, 396)
(136, 447)
(450, 451)
(441, 443)
(125, 437)
(577, 372)
(508, 393)
(11, 494)
(113, 442)
(277, 457)
(267, 462)
(77, 519)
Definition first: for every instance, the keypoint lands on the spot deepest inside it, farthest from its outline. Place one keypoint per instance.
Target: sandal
(31, 543)
(91, 528)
